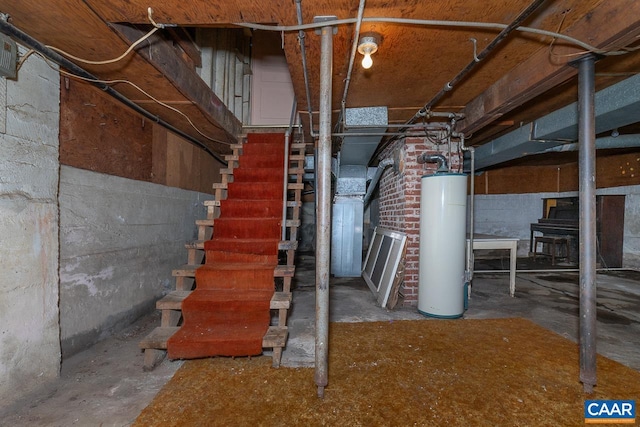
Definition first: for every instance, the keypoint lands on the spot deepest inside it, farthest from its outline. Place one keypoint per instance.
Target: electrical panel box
(8, 57)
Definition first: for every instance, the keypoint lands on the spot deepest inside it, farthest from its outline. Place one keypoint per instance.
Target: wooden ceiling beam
(164, 58)
(610, 25)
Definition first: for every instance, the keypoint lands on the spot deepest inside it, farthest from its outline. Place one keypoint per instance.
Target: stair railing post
(323, 223)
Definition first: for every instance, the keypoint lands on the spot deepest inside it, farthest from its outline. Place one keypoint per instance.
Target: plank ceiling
(525, 77)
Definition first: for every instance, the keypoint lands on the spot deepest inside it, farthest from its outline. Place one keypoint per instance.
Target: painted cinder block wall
(399, 197)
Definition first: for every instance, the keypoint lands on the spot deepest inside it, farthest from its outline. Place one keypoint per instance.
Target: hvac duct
(351, 187)
(443, 214)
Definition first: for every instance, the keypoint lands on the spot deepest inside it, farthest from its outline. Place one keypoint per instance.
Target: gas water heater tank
(443, 213)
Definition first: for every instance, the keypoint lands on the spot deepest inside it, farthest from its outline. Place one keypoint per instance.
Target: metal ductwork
(352, 175)
(358, 149)
(605, 143)
(615, 107)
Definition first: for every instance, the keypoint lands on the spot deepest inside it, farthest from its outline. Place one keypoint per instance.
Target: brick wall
(400, 198)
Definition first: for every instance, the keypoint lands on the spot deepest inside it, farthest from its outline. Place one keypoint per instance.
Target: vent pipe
(374, 181)
(434, 158)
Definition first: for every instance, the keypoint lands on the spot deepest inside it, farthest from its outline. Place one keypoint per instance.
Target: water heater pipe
(470, 258)
(434, 158)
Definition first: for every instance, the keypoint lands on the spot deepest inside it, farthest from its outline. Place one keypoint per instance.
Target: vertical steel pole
(587, 178)
(323, 223)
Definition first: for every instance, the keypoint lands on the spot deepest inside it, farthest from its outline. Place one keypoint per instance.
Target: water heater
(443, 210)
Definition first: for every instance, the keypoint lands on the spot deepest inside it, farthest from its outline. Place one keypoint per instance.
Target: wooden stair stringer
(277, 335)
(155, 344)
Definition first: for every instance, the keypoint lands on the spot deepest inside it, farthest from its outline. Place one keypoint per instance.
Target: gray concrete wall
(29, 328)
(119, 241)
(510, 215)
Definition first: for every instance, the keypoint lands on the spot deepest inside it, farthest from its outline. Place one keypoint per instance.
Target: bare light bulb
(367, 62)
(367, 47)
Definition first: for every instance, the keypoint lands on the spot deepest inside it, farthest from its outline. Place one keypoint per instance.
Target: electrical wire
(155, 28)
(436, 23)
(55, 58)
(147, 94)
(107, 61)
(23, 58)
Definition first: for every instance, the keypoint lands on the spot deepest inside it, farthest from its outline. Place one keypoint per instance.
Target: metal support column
(323, 223)
(587, 178)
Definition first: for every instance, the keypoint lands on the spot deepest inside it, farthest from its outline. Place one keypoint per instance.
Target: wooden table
(487, 242)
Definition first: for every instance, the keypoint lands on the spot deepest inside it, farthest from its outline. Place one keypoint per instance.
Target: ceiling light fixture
(368, 46)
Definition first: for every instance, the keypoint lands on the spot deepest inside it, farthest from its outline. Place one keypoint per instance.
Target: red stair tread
(250, 207)
(229, 312)
(223, 340)
(246, 228)
(222, 295)
(258, 174)
(237, 266)
(254, 246)
(255, 191)
(229, 257)
(239, 279)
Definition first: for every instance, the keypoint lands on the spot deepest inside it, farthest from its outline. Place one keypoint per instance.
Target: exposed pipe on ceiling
(404, 130)
(352, 58)
(425, 111)
(63, 62)
(305, 70)
(471, 65)
(437, 23)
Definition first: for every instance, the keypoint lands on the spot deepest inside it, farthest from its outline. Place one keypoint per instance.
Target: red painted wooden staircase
(227, 309)
(228, 313)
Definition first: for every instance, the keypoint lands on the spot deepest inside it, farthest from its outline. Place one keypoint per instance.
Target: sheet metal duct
(352, 175)
(357, 150)
(615, 107)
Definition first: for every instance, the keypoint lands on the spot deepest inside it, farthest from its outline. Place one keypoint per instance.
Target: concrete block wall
(29, 326)
(509, 215)
(81, 253)
(119, 240)
(631, 242)
(399, 199)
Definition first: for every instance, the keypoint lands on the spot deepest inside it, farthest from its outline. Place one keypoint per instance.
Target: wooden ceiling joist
(538, 74)
(164, 58)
